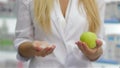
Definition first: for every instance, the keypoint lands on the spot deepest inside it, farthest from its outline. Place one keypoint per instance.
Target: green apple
(89, 38)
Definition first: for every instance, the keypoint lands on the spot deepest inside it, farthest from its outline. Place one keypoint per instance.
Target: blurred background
(110, 59)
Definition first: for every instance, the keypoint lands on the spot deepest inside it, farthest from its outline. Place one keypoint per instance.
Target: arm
(24, 32)
(94, 54)
(24, 29)
(101, 33)
(100, 43)
(24, 43)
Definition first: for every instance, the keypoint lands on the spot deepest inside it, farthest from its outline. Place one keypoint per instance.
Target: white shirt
(65, 32)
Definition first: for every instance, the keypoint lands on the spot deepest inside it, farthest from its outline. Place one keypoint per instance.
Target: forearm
(26, 50)
(96, 55)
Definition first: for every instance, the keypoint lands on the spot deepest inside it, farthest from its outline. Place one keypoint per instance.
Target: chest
(74, 16)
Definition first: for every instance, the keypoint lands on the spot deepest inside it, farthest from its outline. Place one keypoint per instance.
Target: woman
(48, 32)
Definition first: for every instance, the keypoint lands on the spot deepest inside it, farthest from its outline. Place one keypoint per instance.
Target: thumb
(98, 43)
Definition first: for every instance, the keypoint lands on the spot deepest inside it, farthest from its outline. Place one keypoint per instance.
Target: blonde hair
(43, 8)
(42, 11)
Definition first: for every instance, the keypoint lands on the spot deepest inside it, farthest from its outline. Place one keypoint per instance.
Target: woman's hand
(92, 54)
(43, 48)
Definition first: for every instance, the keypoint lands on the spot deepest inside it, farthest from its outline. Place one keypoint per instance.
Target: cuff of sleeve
(22, 59)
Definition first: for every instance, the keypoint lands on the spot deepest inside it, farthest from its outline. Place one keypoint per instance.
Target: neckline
(67, 9)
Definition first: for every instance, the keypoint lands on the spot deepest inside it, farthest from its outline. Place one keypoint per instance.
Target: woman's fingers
(42, 52)
(88, 51)
(43, 48)
(85, 46)
(98, 43)
(80, 46)
(85, 49)
(50, 50)
(46, 51)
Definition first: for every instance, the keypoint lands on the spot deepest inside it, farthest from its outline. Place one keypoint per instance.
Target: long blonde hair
(43, 8)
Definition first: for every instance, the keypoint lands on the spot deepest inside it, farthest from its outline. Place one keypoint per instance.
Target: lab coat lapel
(59, 52)
(58, 21)
(61, 20)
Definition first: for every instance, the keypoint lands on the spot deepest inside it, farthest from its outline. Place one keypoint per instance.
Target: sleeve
(24, 27)
(101, 33)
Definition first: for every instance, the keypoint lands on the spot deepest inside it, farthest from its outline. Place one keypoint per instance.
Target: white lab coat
(65, 32)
